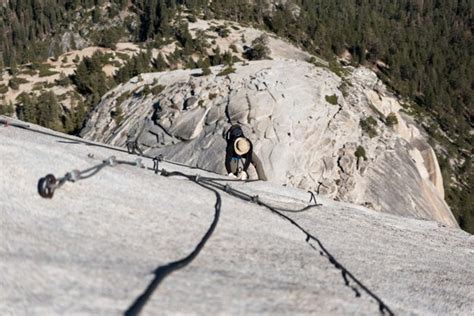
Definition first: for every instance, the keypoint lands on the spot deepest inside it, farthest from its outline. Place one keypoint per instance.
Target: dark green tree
(159, 63)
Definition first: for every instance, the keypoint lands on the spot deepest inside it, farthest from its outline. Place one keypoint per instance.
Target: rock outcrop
(93, 247)
(311, 128)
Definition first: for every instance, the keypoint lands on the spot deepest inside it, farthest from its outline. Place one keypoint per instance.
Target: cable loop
(46, 186)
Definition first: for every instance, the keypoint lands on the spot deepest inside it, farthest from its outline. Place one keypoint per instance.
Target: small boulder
(190, 103)
(189, 124)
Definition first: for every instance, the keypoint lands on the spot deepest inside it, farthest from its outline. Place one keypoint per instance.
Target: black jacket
(232, 134)
(230, 153)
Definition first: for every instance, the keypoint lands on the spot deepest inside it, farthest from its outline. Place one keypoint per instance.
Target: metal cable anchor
(133, 148)
(156, 162)
(46, 186)
(313, 198)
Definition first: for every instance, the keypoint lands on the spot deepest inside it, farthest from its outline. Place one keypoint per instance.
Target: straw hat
(241, 146)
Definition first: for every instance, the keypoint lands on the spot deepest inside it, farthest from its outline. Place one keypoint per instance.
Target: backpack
(234, 132)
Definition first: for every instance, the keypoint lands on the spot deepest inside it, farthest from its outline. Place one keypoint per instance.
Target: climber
(240, 148)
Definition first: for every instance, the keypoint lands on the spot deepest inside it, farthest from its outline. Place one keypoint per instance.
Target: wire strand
(205, 182)
(382, 306)
(163, 271)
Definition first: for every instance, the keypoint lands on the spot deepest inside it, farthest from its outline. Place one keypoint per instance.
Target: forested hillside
(421, 48)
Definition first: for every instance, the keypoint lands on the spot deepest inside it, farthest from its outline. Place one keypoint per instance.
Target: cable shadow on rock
(163, 271)
(347, 276)
(69, 142)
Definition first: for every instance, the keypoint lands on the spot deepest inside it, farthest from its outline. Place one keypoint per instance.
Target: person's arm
(248, 158)
(228, 158)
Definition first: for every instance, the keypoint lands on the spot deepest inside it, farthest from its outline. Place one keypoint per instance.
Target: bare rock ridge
(312, 129)
(91, 249)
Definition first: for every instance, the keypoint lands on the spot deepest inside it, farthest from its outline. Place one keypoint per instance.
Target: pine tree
(205, 65)
(159, 63)
(79, 116)
(28, 110)
(49, 111)
(216, 59)
(72, 42)
(96, 13)
(227, 58)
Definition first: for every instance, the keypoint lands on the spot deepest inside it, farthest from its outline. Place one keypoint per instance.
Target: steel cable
(345, 273)
(48, 184)
(163, 271)
(132, 148)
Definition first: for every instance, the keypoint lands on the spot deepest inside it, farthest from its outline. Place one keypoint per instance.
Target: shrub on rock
(332, 99)
(391, 120)
(368, 126)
